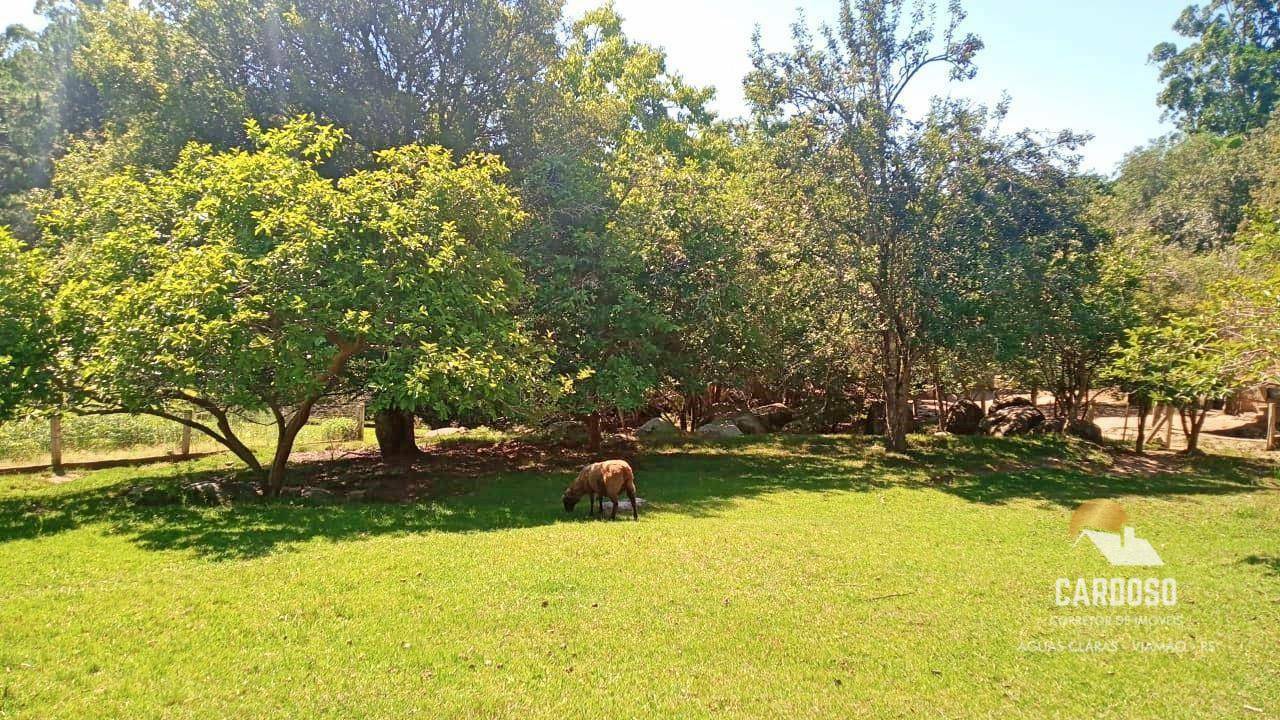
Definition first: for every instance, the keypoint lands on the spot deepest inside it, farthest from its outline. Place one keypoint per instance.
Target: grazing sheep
(603, 480)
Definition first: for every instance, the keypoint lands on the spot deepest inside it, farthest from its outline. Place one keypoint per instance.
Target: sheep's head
(569, 502)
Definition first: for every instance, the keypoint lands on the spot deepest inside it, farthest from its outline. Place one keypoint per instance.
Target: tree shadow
(693, 479)
(1270, 562)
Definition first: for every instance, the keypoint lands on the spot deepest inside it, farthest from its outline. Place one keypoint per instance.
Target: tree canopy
(1227, 79)
(245, 280)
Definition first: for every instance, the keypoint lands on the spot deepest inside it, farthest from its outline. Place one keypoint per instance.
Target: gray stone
(571, 433)
(774, 415)
(658, 427)
(719, 429)
(749, 424)
(207, 492)
(963, 418)
(1085, 430)
(1012, 420)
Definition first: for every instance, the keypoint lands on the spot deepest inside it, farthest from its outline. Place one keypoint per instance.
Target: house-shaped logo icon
(1125, 549)
(1105, 523)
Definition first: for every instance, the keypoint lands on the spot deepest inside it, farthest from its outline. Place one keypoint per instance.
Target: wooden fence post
(184, 449)
(360, 421)
(55, 444)
(1273, 416)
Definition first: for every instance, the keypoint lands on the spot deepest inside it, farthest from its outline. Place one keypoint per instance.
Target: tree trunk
(1199, 411)
(938, 399)
(1140, 445)
(897, 384)
(287, 432)
(394, 430)
(593, 431)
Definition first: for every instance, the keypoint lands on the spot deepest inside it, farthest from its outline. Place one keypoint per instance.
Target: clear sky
(1071, 64)
(1067, 64)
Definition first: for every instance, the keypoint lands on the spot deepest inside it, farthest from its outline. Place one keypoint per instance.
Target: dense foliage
(245, 280)
(466, 210)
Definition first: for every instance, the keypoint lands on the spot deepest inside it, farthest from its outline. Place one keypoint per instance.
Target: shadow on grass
(1270, 562)
(687, 478)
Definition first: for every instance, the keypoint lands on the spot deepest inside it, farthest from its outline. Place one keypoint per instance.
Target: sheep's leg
(631, 495)
(591, 511)
(613, 499)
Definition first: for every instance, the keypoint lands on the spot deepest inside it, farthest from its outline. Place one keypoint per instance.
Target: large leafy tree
(43, 100)
(246, 281)
(27, 344)
(840, 99)
(611, 150)
(459, 73)
(1227, 79)
(1183, 362)
(1189, 191)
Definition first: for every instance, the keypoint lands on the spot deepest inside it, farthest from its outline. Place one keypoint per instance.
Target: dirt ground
(1245, 431)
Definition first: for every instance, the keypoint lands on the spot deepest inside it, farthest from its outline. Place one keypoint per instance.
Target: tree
(245, 281)
(1181, 362)
(842, 99)
(1227, 80)
(26, 335)
(1189, 191)
(615, 121)
(458, 73)
(43, 100)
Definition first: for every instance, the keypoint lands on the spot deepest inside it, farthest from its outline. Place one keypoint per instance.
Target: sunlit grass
(785, 577)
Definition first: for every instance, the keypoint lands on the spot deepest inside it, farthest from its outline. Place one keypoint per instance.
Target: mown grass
(784, 577)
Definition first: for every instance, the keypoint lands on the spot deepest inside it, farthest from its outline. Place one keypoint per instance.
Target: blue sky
(1075, 64)
(1078, 65)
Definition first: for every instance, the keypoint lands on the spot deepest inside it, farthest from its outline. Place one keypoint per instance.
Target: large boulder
(1084, 430)
(570, 433)
(719, 429)
(774, 415)
(658, 427)
(1012, 420)
(963, 418)
(749, 424)
(1010, 402)
(1052, 425)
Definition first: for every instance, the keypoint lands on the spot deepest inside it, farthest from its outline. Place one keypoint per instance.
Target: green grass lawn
(777, 578)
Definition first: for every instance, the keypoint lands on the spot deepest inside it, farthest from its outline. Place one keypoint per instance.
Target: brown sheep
(601, 480)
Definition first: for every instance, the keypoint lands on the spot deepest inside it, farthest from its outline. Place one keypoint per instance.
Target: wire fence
(38, 441)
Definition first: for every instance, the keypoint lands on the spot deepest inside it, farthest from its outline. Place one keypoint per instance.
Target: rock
(207, 492)
(1085, 430)
(963, 418)
(658, 427)
(719, 429)
(445, 432)
(1011, 420)
(749, 424)
(774, 415)
(1052, 425)
(306, 492)
(571, 433)
(1010, 402)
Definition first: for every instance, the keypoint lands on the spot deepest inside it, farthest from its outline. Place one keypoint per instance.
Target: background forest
(483, 211)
